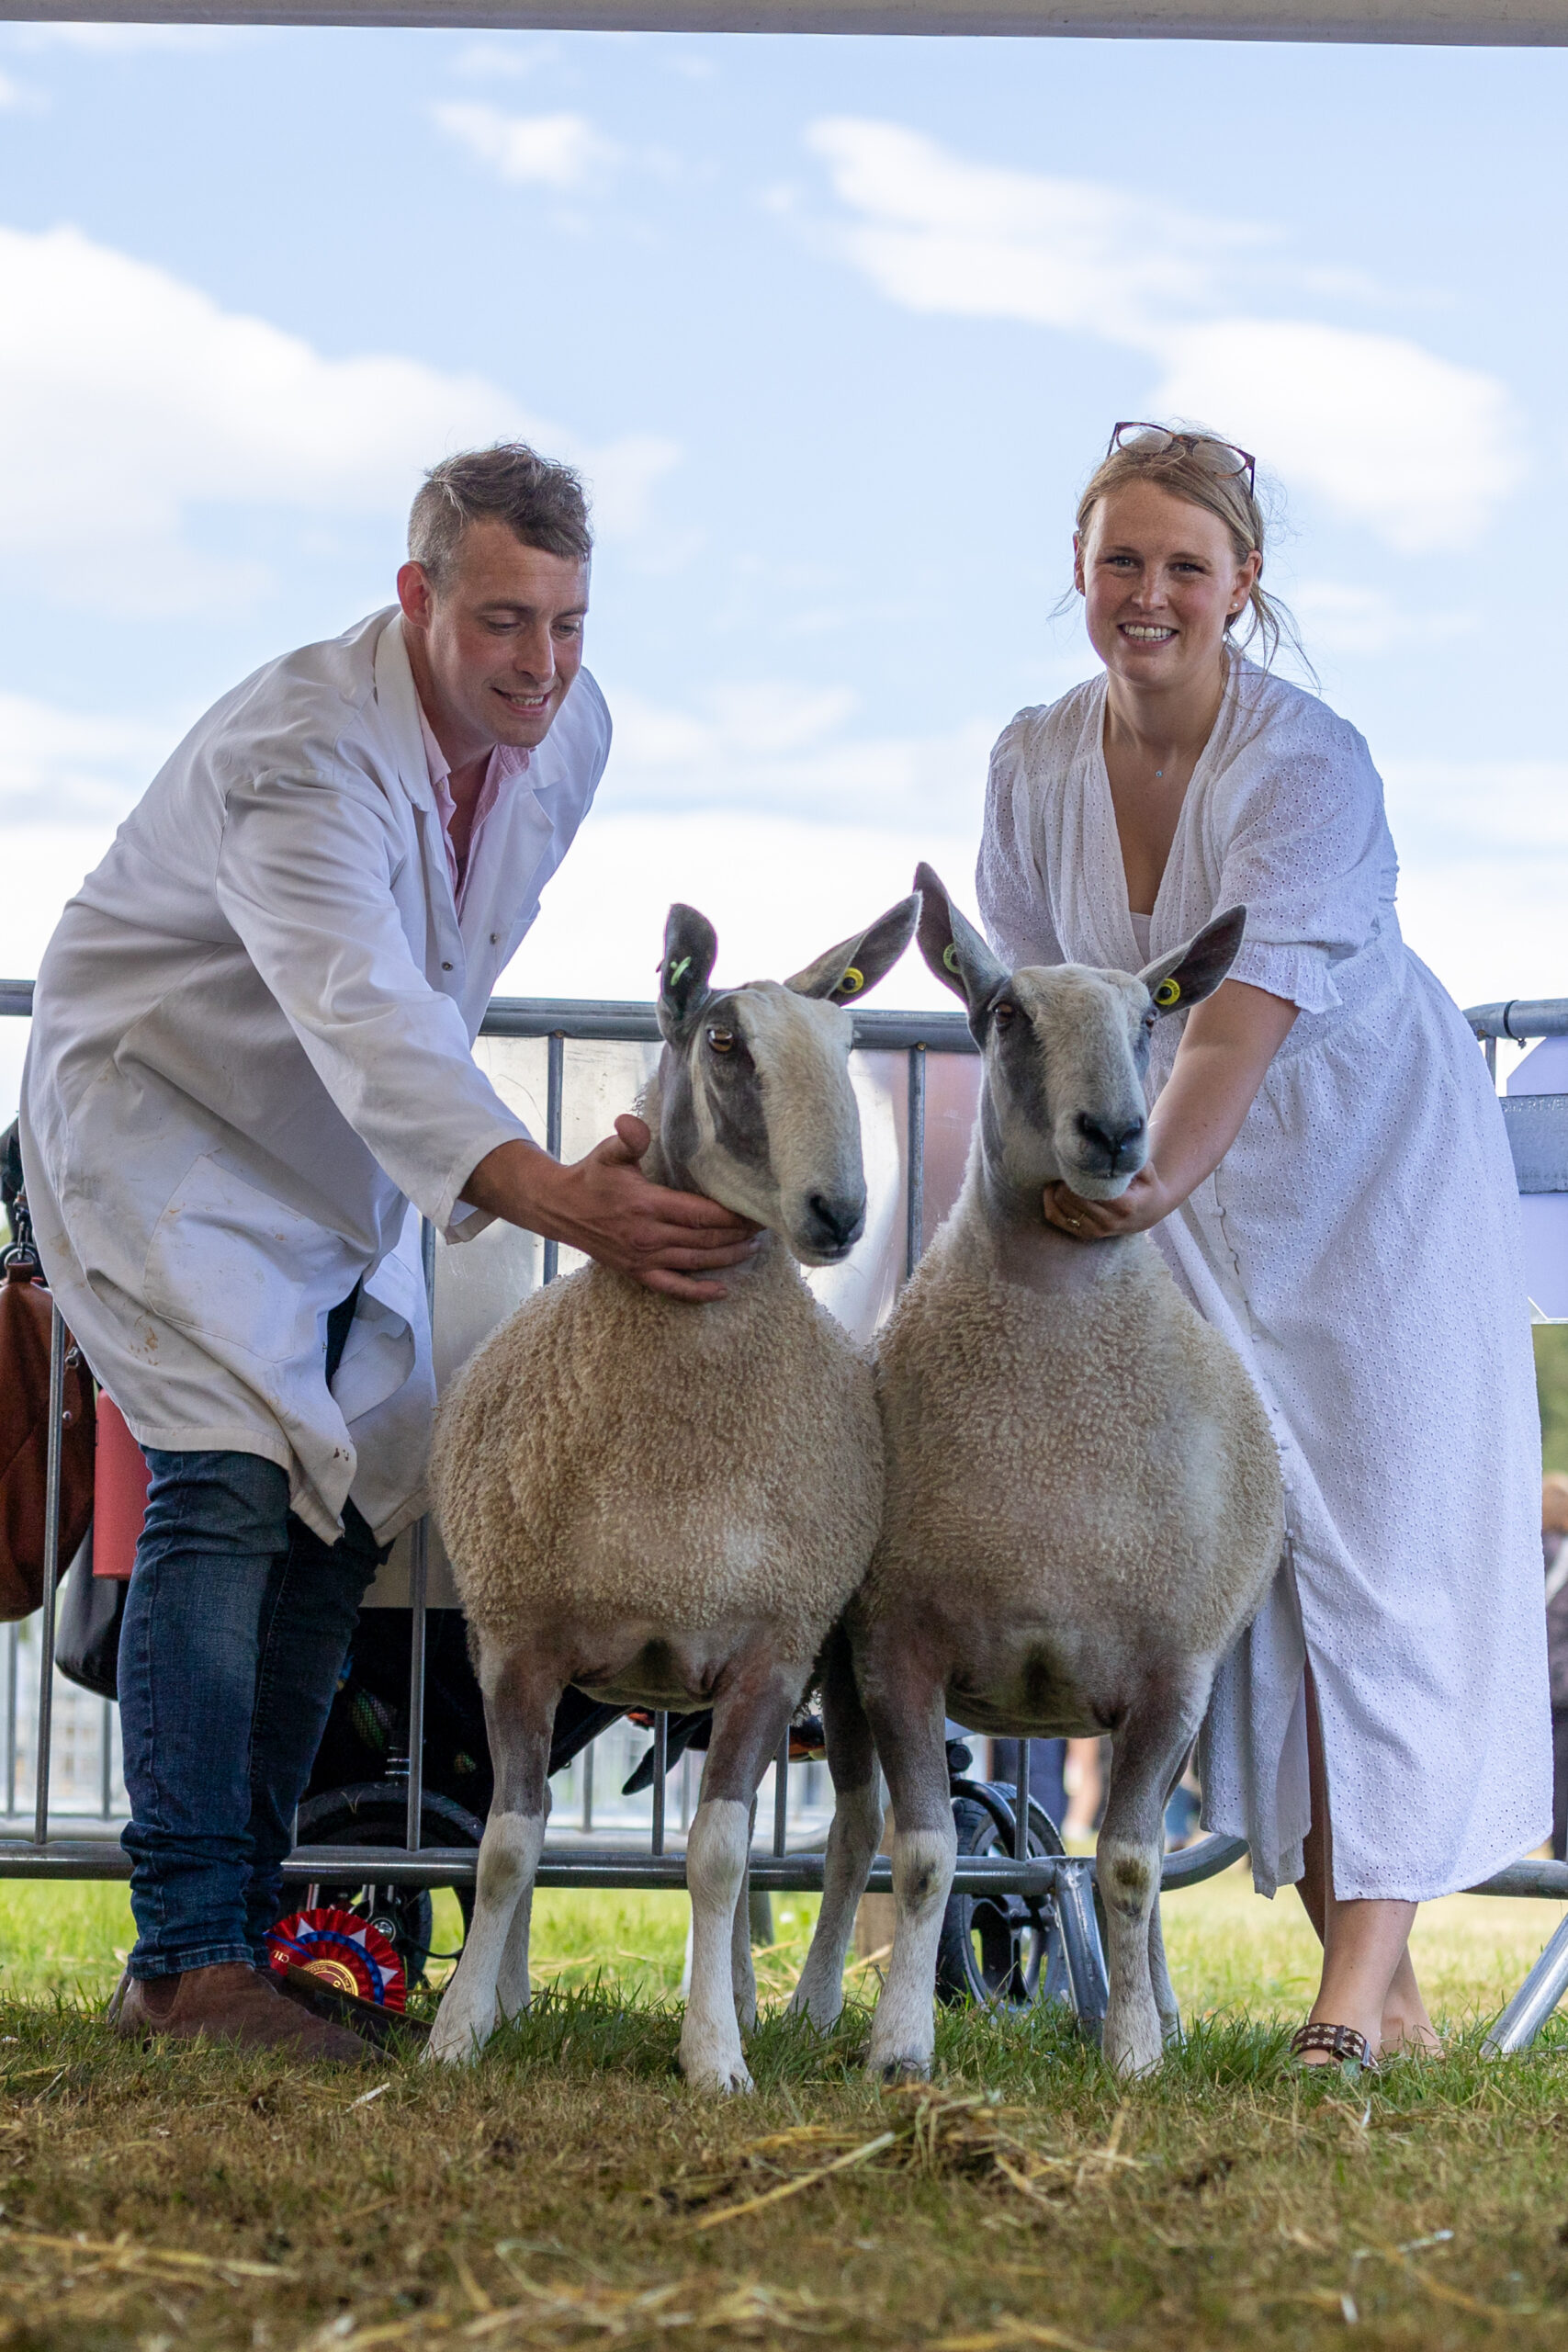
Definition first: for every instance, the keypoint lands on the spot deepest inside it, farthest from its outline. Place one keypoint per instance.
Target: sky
(836, 330)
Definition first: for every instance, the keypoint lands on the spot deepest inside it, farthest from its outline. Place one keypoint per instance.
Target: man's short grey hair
(542, 504)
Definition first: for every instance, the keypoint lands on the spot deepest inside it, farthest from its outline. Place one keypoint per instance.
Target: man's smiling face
(495, 650)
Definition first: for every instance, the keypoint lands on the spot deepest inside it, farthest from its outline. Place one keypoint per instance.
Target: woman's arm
(1219, 1067)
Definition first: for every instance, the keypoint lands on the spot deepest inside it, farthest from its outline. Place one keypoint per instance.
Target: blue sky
(836, 329)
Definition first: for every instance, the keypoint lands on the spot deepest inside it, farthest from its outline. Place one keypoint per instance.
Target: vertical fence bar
(661, 1766)
(44, 1743)
(588, 1788)
(915, 1183)
(419, 1585)
(105, 1760)
(10, 1721)
(1020, 1806)
(554, 1088)
(781, 1793)
(1490, 1048)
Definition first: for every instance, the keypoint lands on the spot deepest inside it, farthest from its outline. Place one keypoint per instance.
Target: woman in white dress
(1329, 1179)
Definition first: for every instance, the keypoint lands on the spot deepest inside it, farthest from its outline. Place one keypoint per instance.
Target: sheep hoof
(727, 2080)
(459, 2045)
(909, 2068)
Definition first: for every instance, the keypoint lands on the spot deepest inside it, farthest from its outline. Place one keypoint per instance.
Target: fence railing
(909, 1182)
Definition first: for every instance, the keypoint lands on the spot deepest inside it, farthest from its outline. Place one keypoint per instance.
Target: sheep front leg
(1147, 1751)
(908, 1721)
(493, 1974)
(852, 1840)
(752, 1711)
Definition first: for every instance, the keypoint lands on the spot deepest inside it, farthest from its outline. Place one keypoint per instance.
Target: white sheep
(1083, 1497)
(669, 1505)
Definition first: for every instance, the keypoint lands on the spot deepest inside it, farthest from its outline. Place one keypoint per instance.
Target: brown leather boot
(230, 2003)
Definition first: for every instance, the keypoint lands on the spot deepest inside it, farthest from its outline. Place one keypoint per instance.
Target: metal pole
(588, 1788)
(50, 1574)
(554, 1087)
(780, 1793)
(915, 1182)
(105, 1760)
(1534, 2002)
(661, 1766)
(10, 1722)
(419, 1582)
(1020, 1806)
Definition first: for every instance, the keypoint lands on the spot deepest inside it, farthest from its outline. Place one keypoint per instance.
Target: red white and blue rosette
(348, 1953)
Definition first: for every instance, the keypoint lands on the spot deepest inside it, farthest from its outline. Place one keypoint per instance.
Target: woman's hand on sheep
(604, 1205)
(1145, 1201)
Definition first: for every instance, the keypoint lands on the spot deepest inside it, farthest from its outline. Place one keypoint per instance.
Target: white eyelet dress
(1359, 1247)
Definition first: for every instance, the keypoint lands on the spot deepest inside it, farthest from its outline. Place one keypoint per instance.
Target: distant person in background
(1329, 1181)
(1554, 1546)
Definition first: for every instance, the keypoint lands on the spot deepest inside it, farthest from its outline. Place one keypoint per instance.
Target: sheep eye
(721, 1041)
(1002, 1015)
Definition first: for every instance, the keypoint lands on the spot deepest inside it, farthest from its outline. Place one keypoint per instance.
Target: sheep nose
(1112, 1144)
(835, 1223)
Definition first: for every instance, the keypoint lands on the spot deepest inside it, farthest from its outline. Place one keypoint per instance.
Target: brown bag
(27, 1314)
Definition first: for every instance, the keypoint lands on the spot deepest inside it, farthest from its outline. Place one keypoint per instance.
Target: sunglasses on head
(1159, 438)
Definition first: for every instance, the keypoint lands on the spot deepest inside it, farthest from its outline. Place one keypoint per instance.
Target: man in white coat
(251, 1052)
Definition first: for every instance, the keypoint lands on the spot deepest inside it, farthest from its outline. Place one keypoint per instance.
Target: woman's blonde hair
(1202, 468)
(1554, 1504)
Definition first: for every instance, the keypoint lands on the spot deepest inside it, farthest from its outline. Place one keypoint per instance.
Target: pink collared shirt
(506, 765)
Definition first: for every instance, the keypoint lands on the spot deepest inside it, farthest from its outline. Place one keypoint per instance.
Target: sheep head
(1066, 1049)
(754, 1101)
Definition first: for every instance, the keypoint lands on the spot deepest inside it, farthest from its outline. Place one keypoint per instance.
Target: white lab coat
(252, 1050)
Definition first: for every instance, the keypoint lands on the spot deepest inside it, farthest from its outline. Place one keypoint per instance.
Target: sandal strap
(1341, 2041)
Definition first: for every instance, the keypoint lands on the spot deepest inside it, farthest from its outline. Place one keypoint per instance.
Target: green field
(570, 2191)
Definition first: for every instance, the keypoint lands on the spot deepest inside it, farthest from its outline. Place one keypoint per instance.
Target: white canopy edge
(1450, 23)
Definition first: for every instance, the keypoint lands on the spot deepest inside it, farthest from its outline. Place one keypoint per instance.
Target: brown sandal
(1341, 2041)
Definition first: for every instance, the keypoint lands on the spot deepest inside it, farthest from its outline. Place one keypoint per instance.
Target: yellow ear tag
(950, 959)
(1168, 993)
(852, 983)
(677, 969)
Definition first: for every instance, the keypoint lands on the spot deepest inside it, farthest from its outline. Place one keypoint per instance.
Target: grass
(570, 2191)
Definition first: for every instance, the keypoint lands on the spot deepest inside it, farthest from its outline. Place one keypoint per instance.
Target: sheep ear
(956, 952)
(1188, 974)
(690, 944)
(856, 965)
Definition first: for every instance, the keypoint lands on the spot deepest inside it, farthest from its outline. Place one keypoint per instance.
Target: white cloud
(513, 57)
(784, 748)
(59, 768)
(1342, 616)
(1388, 434)
(130, 401)
(16, 98)
(1395, 436)
(1483, 873)
(557, 151)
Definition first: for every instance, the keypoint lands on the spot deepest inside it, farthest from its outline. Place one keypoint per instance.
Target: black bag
(86, 1629)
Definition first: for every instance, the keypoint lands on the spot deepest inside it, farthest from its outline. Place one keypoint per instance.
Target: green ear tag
(676, 970)
(852, 983)
(950, 959)
(1168, 993)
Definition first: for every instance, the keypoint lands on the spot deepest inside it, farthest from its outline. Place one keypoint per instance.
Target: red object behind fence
(119, 1493)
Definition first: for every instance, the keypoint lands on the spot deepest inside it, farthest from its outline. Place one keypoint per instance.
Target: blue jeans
(237, 1624)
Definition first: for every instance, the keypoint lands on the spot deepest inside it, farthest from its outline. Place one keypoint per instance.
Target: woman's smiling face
(1159, 579)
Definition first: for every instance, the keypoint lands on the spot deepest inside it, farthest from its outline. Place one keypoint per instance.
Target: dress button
(447, 967)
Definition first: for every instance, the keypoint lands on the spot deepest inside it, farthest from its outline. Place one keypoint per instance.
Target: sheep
(1083, 1494)
(669, 1505)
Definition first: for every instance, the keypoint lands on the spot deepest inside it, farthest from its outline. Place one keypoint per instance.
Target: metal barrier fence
(904, 1187)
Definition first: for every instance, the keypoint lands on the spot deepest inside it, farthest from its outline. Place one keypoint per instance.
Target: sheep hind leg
(852, 1840)
(1147, 1751)
(491, 1977)
(742, 1974)
(907, 1714)
(750, 1714)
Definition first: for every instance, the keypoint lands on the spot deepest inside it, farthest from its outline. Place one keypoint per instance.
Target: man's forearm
(517, 1181)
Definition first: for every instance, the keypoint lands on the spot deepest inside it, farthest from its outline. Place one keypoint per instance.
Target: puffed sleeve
(1306, 850)
(1008, 880)
(304, 876)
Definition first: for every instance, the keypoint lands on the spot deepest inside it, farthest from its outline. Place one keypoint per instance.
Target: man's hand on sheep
(605, 1206)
